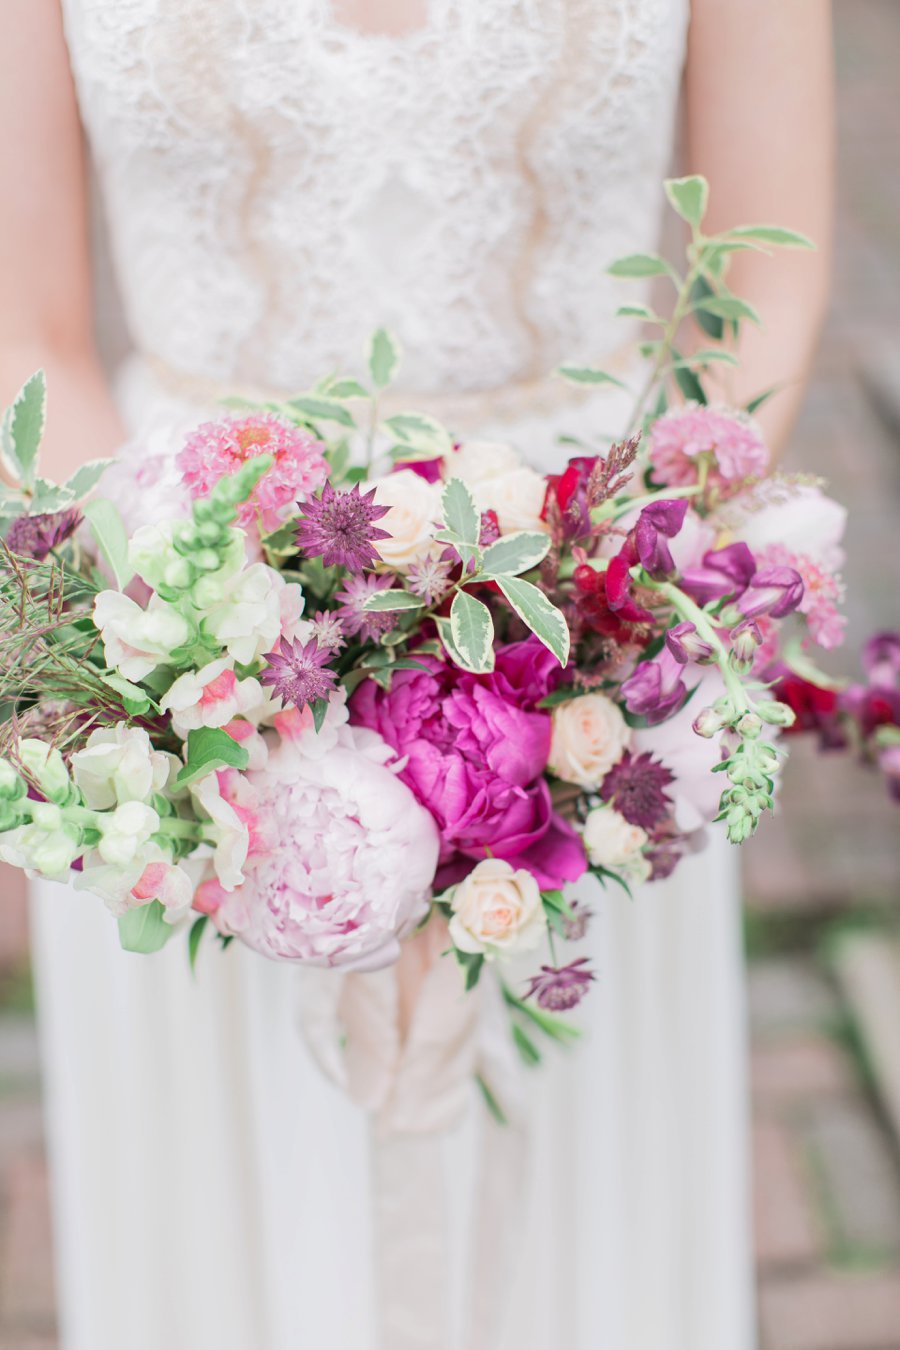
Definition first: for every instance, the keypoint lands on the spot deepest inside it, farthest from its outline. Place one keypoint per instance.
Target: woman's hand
(45, 283)
(760, 127)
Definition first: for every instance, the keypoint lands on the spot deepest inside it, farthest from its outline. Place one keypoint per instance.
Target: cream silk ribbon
(416, 1089)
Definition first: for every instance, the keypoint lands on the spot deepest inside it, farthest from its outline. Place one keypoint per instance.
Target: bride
(279, 178)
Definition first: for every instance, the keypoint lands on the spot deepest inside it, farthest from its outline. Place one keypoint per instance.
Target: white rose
(126, 832)
(414, 509)
(589, 737)
(497, 910)
(137, 640)
(475, 461)
(118, 764)
(516, 497)
(610, 840)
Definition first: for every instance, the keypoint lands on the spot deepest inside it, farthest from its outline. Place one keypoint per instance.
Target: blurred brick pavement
(827, 1194)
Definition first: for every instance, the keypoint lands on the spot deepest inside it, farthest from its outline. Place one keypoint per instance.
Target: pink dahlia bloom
(733, 440)
(474, 753)
(215, 449)
(354, 863)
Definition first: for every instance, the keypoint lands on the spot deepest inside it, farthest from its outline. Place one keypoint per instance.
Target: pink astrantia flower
(732, 440)
(559, 989)
(354, 865)
(216, 449)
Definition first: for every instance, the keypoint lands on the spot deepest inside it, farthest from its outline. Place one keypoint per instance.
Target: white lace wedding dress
(278, 184)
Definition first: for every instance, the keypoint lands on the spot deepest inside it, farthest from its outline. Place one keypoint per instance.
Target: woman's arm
(760, 127)
(45, 287)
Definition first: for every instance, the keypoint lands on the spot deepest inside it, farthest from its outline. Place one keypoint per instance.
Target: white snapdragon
(118, 764)
(138, 640)
(212, 697)
(125, 832)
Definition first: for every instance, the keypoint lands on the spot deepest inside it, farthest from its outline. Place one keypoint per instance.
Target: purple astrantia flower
(357, 621)
(776, 591)
(656, 690)
(655, 525)
(575, 924)
(558, 989)
(686, 644)
(489, 530)
(339, 527)
(429, 578)
(328, 630)
(724, 571)
(297, 672)
(636, 787)
(881, 660)
(35, 536)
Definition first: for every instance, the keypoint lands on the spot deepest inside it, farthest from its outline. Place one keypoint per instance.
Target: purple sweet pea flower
(657, 523)
(686, 644)
(475, 757)
(776, 591)
(655, 690)
(724, 571)
(881, 660)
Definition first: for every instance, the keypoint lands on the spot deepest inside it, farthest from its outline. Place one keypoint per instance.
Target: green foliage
(210, 748)
(689, 197)
(194, 937)
(641, 265)
(538, 614)
(23, 427)
(110, 537)
(144, 929)
(461, 515)
(311, 408)
(472, 629)
(515, 553)
(383, 358)
(393, 601)
(588, 375)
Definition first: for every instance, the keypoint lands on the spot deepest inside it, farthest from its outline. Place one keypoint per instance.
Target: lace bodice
(277, 185)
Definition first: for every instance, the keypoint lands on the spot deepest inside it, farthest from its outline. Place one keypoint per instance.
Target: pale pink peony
(354, 865)
(680, 436)
(215, 449)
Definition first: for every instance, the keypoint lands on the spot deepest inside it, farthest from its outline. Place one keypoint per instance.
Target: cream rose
(609, 839)
(516, 497)
(497, 911)
(476, 461)
(414, 509)
(589, 737)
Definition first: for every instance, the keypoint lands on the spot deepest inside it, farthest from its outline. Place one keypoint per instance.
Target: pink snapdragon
(213, 697)
(217, 449)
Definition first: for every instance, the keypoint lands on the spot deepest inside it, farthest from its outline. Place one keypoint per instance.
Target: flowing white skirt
(213, 1191)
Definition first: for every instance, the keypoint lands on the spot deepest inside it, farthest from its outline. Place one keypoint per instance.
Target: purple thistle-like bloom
(429, 578)
(636, 787)
(328, 630)
(297, 672)
(35, 536)
(575, 924)
(339, 527)
(558, 989)
(356, 620)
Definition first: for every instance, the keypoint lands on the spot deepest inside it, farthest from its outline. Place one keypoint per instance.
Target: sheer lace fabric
(278, 183)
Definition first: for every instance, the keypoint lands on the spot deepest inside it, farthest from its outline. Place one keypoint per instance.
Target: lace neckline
(340, 34)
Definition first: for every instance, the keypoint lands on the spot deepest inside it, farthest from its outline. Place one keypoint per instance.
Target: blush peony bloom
(216, 449)
(354, 865)
(474, 753)
(732, 440)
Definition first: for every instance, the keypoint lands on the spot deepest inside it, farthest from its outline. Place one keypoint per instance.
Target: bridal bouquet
(351, 672)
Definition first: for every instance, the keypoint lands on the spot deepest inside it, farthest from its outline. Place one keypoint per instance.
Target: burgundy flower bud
(776, 591)
(655, 690)
(655, 525)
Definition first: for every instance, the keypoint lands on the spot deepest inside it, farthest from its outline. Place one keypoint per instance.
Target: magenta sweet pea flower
(475, 755)
(776, 591)
(656, 690)
(657, 523)
(881, 660)
(686, 644)
(724, 571)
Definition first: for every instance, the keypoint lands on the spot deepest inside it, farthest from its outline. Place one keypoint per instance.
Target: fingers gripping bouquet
(367, 673)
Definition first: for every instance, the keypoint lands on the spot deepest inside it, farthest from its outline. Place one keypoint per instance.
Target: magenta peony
(474, 751)
(354, 864)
